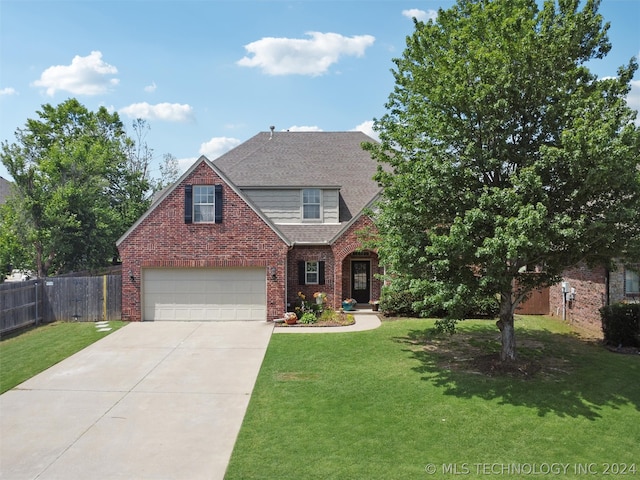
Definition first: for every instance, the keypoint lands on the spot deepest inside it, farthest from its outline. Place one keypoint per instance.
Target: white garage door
(200, 294)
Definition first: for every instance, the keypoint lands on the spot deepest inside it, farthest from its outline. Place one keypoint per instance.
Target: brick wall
(590, 295)
(337, 258)
(310, 254)
(347, 244)
(616, 286)
(163, 239)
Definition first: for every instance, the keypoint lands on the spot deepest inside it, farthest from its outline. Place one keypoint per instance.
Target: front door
(361, 281)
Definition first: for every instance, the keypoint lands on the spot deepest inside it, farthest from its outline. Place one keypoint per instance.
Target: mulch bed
(318, 324)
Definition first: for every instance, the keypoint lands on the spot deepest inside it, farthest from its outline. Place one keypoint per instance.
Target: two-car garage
(204, 294)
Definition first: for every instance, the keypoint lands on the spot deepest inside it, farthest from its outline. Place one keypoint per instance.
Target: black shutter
(321, 273)
(302, 273)
(218, 203)
(188, 204)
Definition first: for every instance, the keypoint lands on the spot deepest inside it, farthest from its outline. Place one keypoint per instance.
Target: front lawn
(28, 353)
(396, 402)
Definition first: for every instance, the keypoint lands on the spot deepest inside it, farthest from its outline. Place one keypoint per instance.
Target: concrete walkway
(153, 400)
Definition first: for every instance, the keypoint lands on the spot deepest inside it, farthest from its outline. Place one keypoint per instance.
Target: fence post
(37, 317)
(104, 297)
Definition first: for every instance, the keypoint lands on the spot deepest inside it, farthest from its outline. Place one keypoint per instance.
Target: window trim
(211, 205)
(302, 272)
(303, 204)
(636, 273)
(190, 203)
(316, 273)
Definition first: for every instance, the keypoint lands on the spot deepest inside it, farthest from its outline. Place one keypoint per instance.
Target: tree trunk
(508, 333)
(39, 260)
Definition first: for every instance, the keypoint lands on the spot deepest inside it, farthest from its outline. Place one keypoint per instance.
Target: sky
(207, 75)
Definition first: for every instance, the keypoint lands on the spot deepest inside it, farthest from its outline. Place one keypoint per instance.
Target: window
(631, 283)
(310, 273)
(311, 204)
(203, 203)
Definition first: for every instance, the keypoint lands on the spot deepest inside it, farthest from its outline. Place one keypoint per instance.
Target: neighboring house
(5, 189)
(239, 237)
(585, 290)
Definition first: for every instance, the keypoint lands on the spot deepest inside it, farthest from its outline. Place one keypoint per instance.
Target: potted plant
(290, 318)
(348, 304)
(320, 297)
(374, 304)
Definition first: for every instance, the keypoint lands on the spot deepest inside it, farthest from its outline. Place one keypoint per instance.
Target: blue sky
(209, 74)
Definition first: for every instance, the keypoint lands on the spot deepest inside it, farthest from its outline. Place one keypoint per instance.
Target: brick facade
(344, 247)
(337, 258)
(595, 287)
(590, 295)
(163, 239)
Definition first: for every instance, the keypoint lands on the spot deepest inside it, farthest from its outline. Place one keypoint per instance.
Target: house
(5, 189)
(239, 237)
(584, 290)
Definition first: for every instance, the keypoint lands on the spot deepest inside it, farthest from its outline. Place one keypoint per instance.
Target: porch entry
(361, 280)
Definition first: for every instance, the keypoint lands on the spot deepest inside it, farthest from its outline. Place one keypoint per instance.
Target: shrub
(417, 299)
(398, 302)
(485, 307)
(329, 315)
(621, 324)
(308, 318)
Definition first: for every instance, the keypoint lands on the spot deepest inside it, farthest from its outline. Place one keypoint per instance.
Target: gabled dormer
(298, 205)
(310, 185)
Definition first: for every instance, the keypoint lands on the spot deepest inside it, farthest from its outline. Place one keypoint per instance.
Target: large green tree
(500, 152)
(75, 192)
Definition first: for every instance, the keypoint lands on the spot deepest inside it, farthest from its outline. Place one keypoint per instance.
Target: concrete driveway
(153, 400)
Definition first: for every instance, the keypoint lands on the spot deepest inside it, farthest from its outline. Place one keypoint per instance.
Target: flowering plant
(349, 300)
(321, 295)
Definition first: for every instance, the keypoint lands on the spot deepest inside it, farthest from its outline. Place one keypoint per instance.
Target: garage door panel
(204, 294)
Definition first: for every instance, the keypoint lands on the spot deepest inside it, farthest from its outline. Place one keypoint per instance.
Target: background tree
(13, 250)
(505, 153)
(169, 172)
(74, 191)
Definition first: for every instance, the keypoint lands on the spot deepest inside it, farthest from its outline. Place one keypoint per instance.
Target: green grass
(28, 353)
(384, 404)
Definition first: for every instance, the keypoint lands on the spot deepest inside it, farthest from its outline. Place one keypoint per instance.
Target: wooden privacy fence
(20, 305)
(80, 299)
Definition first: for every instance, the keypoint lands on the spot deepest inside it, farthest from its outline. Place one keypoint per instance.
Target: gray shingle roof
(5, 189)
(307, 159)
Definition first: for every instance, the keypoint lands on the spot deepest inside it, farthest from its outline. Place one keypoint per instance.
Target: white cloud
(88, 75)
(633, 98)
(313, 56)
(304, 128)
(185, 163)
(171, 112)
(151, 88)
(217, 146)
(420, 15)
(367, 129)
(8, 91)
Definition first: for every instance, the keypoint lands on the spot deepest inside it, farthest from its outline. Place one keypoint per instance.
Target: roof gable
(167, 191)
(306, 160)
(296, 160)
(5, 189)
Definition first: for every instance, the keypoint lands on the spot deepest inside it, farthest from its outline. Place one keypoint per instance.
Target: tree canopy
(502, 153)
(80, 182)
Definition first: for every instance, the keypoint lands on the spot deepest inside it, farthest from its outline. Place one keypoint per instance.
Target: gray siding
(284, 205)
